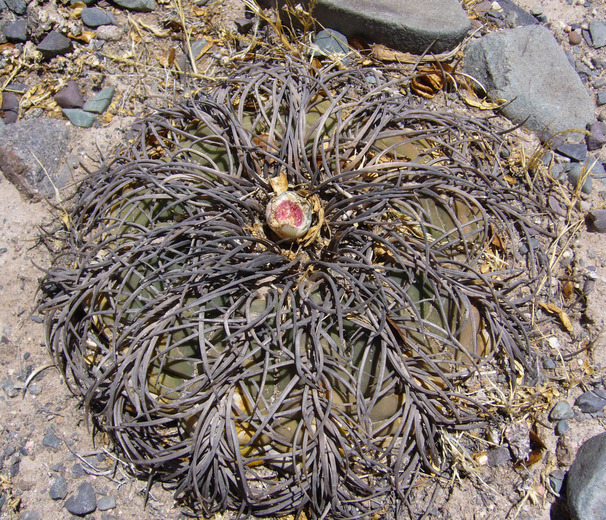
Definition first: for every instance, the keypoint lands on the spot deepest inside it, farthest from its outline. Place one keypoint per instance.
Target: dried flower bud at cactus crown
(288, 215)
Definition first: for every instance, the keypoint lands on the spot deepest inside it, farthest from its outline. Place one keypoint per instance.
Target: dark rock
(561, 427)
(244, 25)
(596, 220)
(576, 152)
(595, 167)
(586, 481)
(528, 67)
(143, 6)
(84, 502)
(498, 456)
(94, 17)
(587, 37)
(561, 410)
(29, 515)
(16, 32)
(78, 470)
(54, 44)
(99, 103)
(549, 364)
(592, 401)
(79, 117)
(556, 479)
(70, 96)
(558, 171)
(184, 61)
(105, 503)
(58, 489)
(574, 172)
(51, 440)
(597, 29)
(601, 98)
(597, 136)
(16, 6)
(25, 143)
(531, 245)
(407, 25)
(14, 469)
(7, 385)
(329, 41)
(515, 16)
(10, 107)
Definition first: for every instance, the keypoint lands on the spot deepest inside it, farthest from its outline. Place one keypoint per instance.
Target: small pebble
(556, 479)
(16, 32)
(111, 33)
(143, 6)
(16, 6)
(84, 502)
(95, 17)
(575, 38)
(531, 245)
(244, 25)
(51, 440)
(597, 28)
(549, 364)
(10, 107)
(54, 44)
(78, 470)
(9, 388)
(561, 427)
(70, 96)
(574, 151)
(592, 401)
(597, 136)
(58, 489)
(29, 515)
(105, 503)
(99, 103)
(79, 117)
(14, 469)
(498, 456)
(330, 42)
(596, 220)
(561, 410)
(558, 171)
(58, 466)
(601, 98)
(574, 174)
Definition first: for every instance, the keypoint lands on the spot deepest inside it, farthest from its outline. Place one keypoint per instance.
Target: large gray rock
(586, 481)
(407, 25)
(32, 153)
(527, 67)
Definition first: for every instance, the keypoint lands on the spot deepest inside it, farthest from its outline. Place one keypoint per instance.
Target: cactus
(273, 298)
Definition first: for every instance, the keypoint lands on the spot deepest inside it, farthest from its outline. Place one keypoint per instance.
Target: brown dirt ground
(474, 491)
